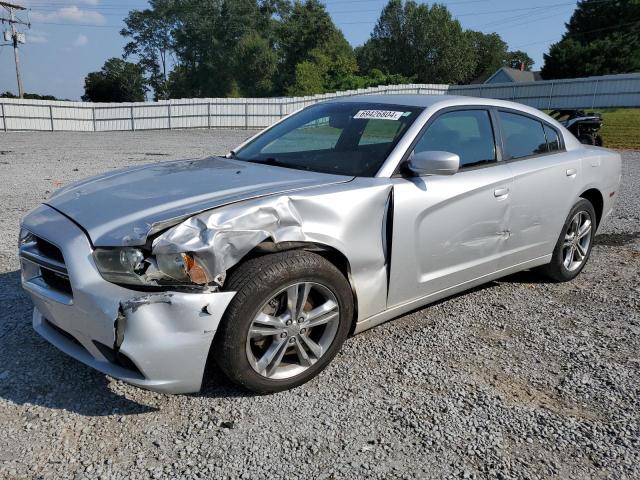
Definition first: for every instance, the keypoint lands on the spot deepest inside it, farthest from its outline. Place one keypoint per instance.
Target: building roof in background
(516, 75)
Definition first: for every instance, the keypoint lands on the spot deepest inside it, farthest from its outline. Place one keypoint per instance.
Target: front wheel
(573, 248)
(289, 318)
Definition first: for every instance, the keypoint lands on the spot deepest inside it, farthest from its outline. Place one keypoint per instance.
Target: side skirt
(401, 309)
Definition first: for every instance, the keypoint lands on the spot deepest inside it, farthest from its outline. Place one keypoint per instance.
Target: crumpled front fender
(349, 218)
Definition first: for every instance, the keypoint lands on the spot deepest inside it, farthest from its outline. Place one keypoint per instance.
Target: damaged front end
(148, 314)
(158, 340)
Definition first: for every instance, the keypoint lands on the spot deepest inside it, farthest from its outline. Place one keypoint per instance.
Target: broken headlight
(130, 266)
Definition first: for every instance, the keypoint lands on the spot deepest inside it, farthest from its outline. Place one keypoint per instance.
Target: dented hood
(124, 207)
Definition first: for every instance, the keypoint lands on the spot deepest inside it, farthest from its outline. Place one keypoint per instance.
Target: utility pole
(15, 37)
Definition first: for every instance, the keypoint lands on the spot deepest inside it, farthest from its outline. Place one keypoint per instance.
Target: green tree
(601, 38)
(117, 81)
(310, 79)
(489, 54)
(421, 41)
(516, 58)
(207, 35)
(306, 34)
(28, 96)
(256, 65)
(150, 33)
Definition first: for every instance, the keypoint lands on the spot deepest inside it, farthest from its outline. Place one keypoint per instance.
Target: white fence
(15, 115)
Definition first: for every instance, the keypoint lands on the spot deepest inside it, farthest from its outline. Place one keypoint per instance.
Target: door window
(467, 133)
(523, 136)
(553, 141)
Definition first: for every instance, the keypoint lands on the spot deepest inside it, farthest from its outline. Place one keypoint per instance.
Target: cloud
(69, 14)
(35, 36)
(80, 41)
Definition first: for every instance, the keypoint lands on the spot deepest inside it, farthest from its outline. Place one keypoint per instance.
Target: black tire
(587, 139)
(256, 281)
(556, 270)
(599, 141)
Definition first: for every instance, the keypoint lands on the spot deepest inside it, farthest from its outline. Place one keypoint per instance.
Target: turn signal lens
(196, 272)
(182, 267)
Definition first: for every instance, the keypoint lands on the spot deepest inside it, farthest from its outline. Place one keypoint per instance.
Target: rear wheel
(574, 244)
(292, 312)
(587, 139)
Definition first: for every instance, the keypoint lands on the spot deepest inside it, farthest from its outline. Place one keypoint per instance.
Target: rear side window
(553, 141)
(523, 136)
(467, 133)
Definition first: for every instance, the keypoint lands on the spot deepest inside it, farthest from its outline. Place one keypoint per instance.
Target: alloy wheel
(292, 330)
(577, 241)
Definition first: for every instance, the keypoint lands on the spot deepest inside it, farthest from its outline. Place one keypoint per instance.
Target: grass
(621, 128)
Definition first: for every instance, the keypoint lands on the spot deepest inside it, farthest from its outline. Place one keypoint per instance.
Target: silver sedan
(341, 216)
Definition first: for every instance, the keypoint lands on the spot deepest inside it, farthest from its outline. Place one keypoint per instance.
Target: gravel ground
(516, 379)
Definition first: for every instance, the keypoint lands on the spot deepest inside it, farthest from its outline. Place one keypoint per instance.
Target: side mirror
(434, 163)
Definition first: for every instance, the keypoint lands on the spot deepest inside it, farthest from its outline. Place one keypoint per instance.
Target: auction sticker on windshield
(379, 115)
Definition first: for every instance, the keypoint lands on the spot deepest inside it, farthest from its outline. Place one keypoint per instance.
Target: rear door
(544, 186)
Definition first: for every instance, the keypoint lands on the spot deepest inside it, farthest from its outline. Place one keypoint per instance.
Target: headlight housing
(131, 266)
(25, 237)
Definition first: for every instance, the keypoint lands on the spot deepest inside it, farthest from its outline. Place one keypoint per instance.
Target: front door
(449, 230)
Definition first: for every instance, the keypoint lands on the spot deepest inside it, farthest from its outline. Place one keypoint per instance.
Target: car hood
(124, 207)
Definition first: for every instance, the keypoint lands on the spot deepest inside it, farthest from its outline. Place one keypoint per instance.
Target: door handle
(500, 192)
(572, 172)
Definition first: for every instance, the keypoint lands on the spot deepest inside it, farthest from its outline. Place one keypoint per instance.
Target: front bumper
(159, 341)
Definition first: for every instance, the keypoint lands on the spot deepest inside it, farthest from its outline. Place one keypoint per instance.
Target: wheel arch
(594, 196)
(334, 256)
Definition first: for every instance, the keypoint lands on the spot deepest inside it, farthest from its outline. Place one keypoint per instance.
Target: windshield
(342, 138)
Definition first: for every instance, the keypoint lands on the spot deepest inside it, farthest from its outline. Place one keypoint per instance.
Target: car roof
(431, 100)
(437, 102)
(406, 100)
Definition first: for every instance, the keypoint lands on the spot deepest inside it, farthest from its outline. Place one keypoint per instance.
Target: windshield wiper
(268, 161)
(277, 163)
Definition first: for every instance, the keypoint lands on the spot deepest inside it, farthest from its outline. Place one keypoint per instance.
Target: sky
(70, 38)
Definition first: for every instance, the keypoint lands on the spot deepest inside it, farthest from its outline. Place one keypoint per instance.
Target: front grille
(56, 280)
(49, 249)
(50, 262)
(64, 333)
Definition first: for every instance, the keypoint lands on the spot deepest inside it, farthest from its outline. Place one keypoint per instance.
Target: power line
(109, 10)
(88, 25)
(528, 12)
(635, 22)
